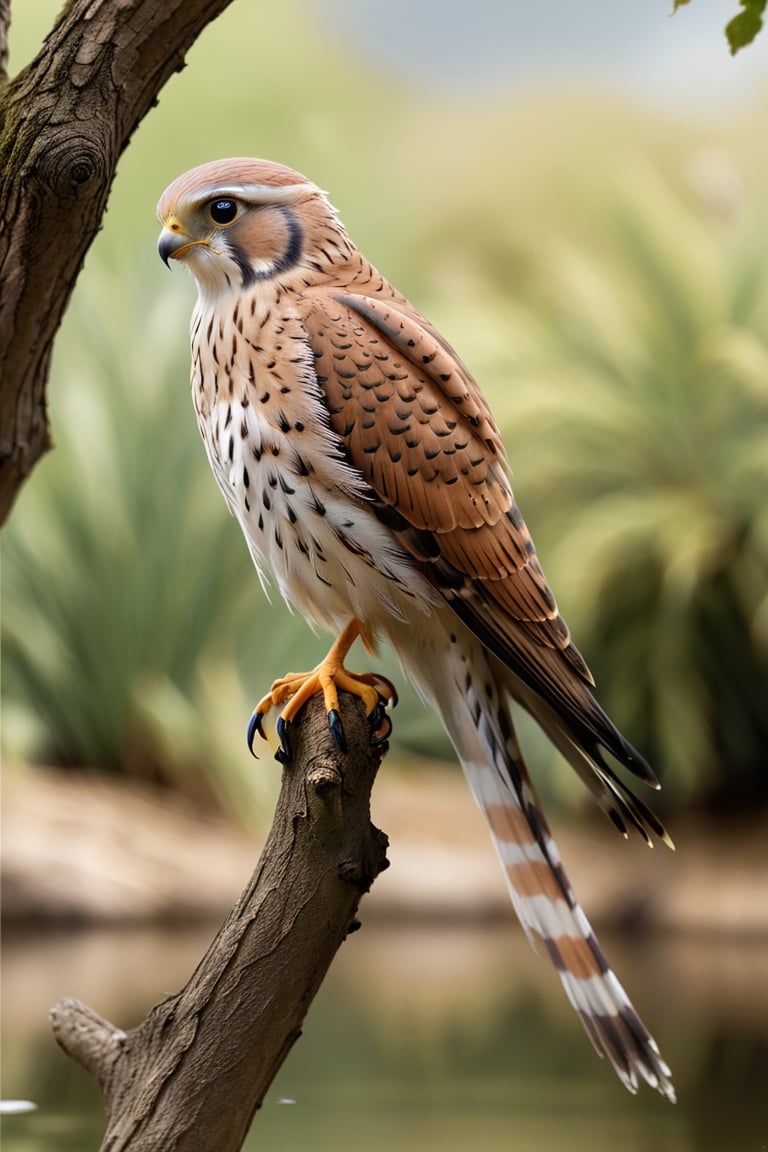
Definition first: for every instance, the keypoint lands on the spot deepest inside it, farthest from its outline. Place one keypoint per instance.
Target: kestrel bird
(370, 480)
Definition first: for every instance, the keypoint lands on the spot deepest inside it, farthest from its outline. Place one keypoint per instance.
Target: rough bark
(192, 1075)
(5, 23)
(64, 122)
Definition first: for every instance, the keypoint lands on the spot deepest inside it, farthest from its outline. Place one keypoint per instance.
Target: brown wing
(414, 423)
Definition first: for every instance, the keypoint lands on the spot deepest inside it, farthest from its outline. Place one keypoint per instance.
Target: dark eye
(223, 211)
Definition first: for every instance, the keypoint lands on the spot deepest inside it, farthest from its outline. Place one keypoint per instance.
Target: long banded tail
(554, 921)
(476, 714)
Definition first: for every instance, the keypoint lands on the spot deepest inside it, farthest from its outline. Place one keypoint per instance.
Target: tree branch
(192, 1075)
(5, 24)
(64, 122)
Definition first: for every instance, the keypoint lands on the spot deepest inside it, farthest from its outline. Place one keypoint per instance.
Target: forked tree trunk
(190, 1078)
(64, 122)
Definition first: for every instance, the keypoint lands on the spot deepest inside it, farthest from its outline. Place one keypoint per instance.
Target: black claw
(283, 753)
(381, 726)
(254, 727)
(336, 729)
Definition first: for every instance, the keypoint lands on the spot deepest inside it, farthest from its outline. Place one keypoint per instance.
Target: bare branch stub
(87, 1037)
(194, 1073)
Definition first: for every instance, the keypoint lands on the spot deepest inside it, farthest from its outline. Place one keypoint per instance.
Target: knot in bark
(324, 801)
(71, 165)
(323, 777)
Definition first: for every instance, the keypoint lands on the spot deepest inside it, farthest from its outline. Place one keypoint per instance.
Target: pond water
(450, 1038)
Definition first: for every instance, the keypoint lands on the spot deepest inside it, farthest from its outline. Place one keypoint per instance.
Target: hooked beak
(171, 244)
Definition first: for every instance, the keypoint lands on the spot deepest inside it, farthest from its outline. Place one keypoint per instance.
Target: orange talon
(329, 677)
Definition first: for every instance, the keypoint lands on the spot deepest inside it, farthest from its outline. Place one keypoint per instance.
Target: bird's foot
(292, 692)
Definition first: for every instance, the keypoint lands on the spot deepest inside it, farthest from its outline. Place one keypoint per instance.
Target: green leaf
(744, 27)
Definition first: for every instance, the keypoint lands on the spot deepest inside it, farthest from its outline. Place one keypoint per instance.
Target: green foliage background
(601, 271)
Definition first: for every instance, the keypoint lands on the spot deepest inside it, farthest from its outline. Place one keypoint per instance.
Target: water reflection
(450, 1038)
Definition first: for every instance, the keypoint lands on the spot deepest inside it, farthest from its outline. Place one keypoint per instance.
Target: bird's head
(237, 222)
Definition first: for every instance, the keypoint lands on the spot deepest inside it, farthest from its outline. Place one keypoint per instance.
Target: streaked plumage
(370, 481)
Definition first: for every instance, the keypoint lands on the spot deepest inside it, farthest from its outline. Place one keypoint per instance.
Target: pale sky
(679, 61)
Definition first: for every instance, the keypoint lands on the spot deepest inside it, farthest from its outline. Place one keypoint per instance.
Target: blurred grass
(646, 447)
(599, 269)
(113, 620)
